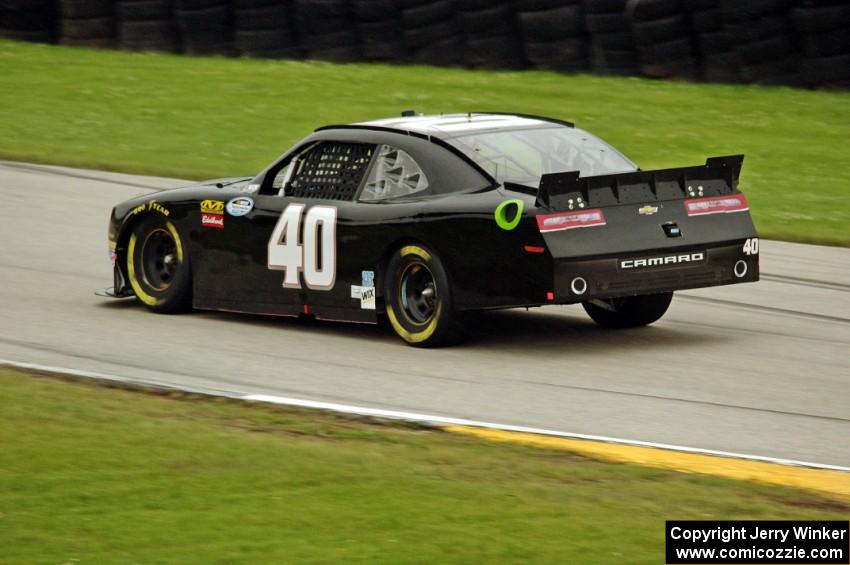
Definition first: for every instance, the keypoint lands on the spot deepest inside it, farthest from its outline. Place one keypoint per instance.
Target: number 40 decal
(751, 246)
(316, 257)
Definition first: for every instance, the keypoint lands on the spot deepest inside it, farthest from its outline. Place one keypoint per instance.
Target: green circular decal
(502, 215)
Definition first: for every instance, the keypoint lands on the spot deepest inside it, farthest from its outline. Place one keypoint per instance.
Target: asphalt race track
(761, 369)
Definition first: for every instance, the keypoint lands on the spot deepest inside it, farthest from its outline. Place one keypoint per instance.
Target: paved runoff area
(760, 369)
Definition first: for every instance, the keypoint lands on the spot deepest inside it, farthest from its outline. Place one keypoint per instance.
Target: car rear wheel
(158, 266)
(628, 311)
(419, 299)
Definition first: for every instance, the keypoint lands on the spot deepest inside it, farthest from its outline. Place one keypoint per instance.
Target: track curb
(829, 480)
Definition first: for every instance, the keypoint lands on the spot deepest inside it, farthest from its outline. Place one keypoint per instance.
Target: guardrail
(791, 42)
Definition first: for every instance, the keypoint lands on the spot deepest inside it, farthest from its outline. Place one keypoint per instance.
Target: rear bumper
(653, 272)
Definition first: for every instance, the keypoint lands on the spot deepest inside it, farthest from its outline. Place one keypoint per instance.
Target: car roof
(452, 125)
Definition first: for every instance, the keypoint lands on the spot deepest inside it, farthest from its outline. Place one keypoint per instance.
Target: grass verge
(210, 117)
(94, 474)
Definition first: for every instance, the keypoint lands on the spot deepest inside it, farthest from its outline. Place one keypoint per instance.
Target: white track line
(408, 416)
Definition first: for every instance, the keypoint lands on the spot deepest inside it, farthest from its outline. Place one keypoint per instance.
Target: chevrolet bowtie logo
(647, 210)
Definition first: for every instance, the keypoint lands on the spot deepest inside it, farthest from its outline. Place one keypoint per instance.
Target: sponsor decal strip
(570, 220)
(212, 221)
(831, 480)
(716, 205)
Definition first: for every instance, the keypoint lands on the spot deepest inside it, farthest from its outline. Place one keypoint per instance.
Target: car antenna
(408, 113)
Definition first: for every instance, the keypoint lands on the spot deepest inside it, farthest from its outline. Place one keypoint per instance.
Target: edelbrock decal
(663, 260)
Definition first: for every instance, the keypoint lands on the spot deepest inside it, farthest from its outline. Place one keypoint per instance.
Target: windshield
(522, 155)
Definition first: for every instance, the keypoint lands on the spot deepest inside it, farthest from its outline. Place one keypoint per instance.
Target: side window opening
(329, 170)
(394, 174)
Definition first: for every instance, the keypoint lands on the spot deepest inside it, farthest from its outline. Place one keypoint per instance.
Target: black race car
(427, 218)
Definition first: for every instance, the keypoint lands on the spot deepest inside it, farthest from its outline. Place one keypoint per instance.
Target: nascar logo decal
(661, 261)
(239, 206)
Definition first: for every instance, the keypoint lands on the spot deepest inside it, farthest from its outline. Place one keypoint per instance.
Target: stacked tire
(663, 36)
(764, 40)
(28, 20)
(714, 44)
(613, 50)
(206, 26)
(265, 29)
(147, 25)
(822, 28)
(379, 28)
(431, 33)
(553, 34)
(326, 31)
(87, 23)
(490, 35)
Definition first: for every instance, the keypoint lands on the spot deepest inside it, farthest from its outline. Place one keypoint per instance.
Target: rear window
(522, 156)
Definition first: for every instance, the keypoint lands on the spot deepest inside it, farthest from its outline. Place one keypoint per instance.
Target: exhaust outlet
(578, 285)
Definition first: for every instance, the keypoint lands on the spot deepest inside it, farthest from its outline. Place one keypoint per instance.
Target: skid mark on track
(772, 309)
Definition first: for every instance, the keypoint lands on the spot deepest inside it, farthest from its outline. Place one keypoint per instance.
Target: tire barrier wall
(790, 42)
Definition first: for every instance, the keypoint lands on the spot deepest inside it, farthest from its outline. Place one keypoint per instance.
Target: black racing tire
(158, 266)
(825, 44)
(675, 50)
(93, 28)
(659, 31)
(817, 19)
(617, 59)
(502, 52)
(441, 11)
(418, 298)
(148, 36)
(607, 23)
(446, 52)
(764, 28)
(648, 10)
(340, 54)
(330, 42)
(706, 20)
(374, 10)
(604, 6)
(268, 17)
(416, 39)
(537, 5)
(321, 16)
(616, 41)
(753, 10)
(567, 50)
(25, 35)
(714, 43)
(490, 22)
(700, 5)
(143, 10)
(553, 24)
(85, 9)
(264, 42)
(629, 311)
(767, 50)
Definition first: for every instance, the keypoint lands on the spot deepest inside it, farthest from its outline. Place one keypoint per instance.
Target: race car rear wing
(569, 191)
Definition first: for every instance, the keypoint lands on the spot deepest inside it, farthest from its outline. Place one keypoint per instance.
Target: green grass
(97, 475)
(208, 117)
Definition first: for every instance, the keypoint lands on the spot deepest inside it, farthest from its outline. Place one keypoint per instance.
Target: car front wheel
(158, 266)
